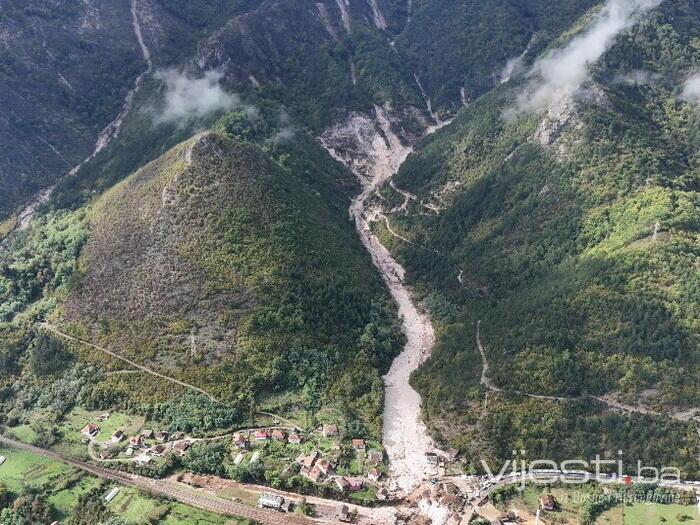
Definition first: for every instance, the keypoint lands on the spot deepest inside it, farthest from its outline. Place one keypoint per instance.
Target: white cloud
(691, 89)
(187, 97)
(562, 72)
(285, 129)
(637, 77)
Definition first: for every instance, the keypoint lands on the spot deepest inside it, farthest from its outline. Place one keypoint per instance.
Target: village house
(375, 457)
(143, 459)
(295, 438)
(509, 518)
(450, 488)
(147, 434)
(129, 452)
(315, 474)
(104, 416)
(342, 483)
(451, 501)
(159, 450)
(374, 474)
(548, 503)
(432, 458)
(308, 461)
(240, 441)
(355, 484)
(161, 436)
(359, 444)
(324, 466)
(91, 430)
(262, 436)
(279, 435)
(330, 431)
(136, 441)
(181, 446)
(118, 436)
(239, 458)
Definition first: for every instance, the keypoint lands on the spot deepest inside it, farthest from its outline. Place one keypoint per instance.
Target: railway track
(169, 489)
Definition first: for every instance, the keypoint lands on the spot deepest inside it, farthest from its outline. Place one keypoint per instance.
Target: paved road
(170, 489)
(64, 335)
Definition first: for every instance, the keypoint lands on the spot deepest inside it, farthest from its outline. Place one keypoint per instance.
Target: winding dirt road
(606, 400)
(68, 337)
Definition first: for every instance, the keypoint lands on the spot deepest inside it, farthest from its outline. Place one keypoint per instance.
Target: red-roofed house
(355, 484)
(91, 430)
(262, 435)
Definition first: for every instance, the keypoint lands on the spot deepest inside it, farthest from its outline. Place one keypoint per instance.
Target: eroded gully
(374, 152)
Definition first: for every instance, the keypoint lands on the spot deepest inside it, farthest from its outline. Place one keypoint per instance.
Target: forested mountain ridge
(64, 72)
(572, 234)
(319, 60)
(215, 264)
(209, 240)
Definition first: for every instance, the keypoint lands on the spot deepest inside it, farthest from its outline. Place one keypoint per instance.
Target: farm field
(570, 503)
(63, 485)
(643, 514)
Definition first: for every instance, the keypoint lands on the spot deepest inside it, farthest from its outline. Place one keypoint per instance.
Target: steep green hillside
(236, 273)
(65, 68)
(320, 63)
(466, 44)
(575, 238)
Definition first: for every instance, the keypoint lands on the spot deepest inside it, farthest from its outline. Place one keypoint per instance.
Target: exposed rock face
(563, 118)
(374, 145)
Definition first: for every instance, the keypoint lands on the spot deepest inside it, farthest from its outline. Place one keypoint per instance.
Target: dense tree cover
(280, 268)
(48, 355)
(39, 261)
(28, 508)
(207, 458)
(579, 256)
(90, 509)
(466, 44)
(320, 74)
(194, 412)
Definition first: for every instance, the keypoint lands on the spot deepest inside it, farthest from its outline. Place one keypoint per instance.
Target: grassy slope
(559, 262)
